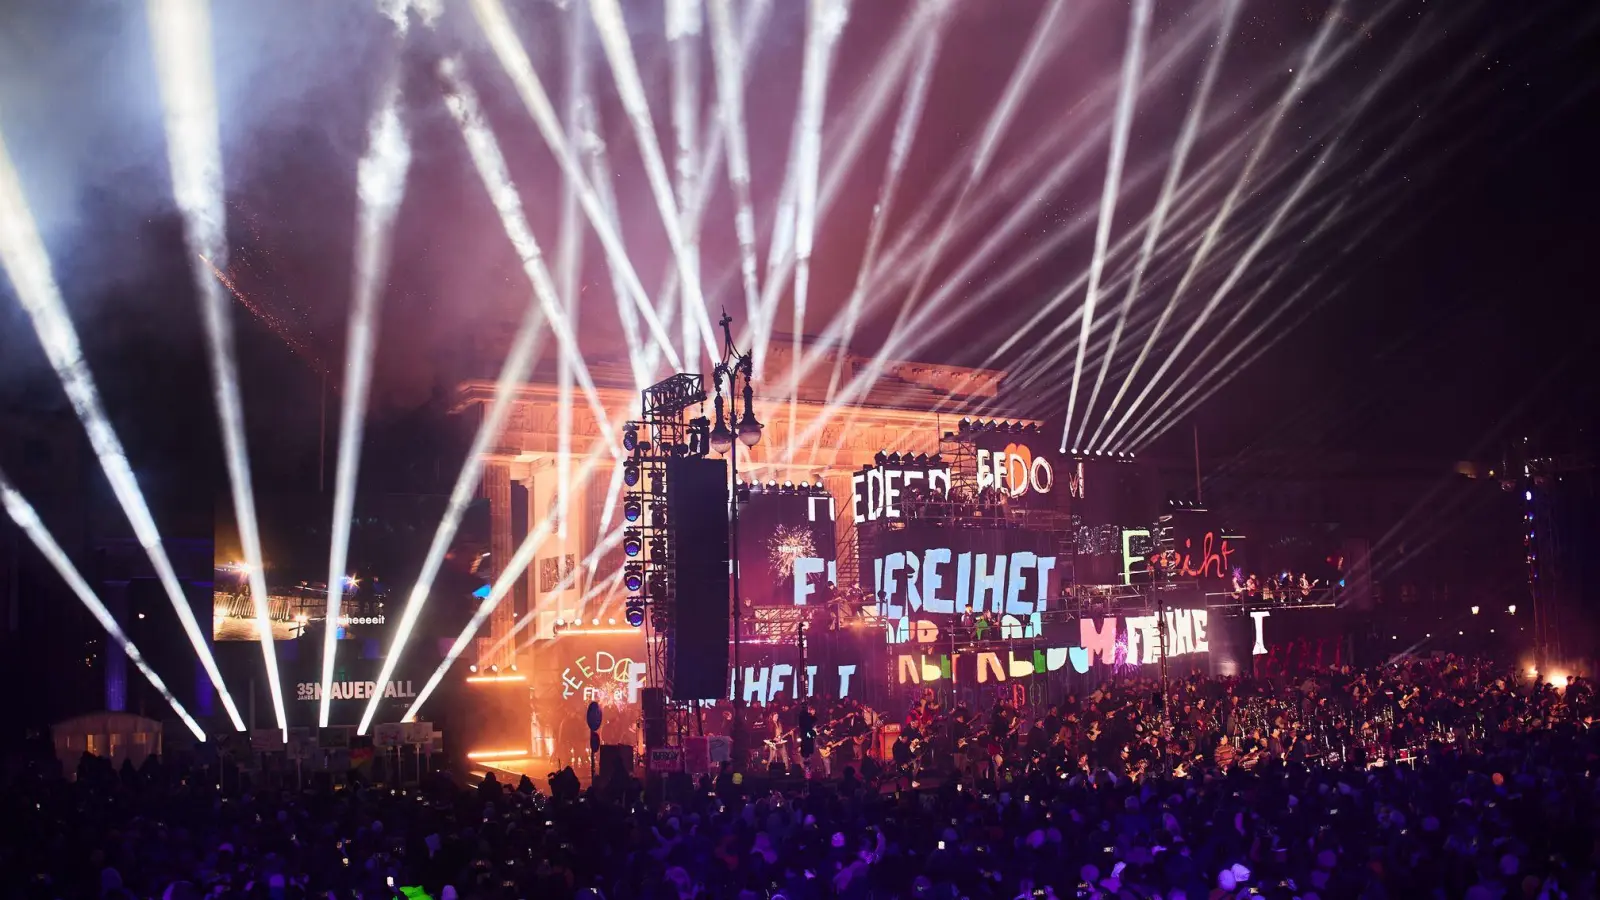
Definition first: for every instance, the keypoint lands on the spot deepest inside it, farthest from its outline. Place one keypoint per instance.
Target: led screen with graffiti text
(787, 547)
(1027, 471)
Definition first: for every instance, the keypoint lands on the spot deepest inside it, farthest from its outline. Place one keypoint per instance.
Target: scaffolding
(661, 433)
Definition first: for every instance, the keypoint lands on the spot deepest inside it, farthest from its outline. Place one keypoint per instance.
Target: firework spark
(787, 545)
(275, 324)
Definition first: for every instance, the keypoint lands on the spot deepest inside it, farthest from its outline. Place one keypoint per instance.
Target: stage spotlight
(632, 577)
(635, 611)
(630, 438)
(494, 670)
(632, 509)
(630, 542)
(658, 585)
(644, 448)
(658, 515)
(699, 436)
(658, 548)
(881, 457)
(966, 424)
(630, 473)
(894, 459)
(473, 669)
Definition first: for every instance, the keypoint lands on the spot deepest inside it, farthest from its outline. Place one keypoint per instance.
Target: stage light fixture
(658, 585)
(658, 548)
(630, 542)
(632, 509)
(966, 424)
(630, 438)
(632, 577)
(635, 611)
(630, 473)
(699, 436)
(658, 515)
(473, 669)
(881, 457)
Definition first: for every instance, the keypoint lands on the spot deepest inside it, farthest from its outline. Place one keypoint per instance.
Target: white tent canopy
(115, 736)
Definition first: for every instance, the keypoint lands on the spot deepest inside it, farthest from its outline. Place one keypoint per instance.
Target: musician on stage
(777, 745)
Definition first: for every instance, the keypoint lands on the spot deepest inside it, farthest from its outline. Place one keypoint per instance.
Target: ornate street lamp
(748, 432)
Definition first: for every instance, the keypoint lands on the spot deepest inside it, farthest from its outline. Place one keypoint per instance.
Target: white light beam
(380, 187)
(1180, 153)
(729, 69)
(503, 585)
(823, 27)
(1297, 85)
(613, 31)
(513, 56)
(462, 102)
(905, 132)
(23, 514)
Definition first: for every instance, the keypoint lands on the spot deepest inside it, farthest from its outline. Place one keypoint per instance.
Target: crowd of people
(1438, 777)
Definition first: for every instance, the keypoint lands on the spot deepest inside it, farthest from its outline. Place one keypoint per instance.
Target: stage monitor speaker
(615, 759)
(697, 496)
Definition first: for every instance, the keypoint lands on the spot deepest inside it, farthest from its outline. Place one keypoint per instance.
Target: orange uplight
(499, 754)
(484, 679)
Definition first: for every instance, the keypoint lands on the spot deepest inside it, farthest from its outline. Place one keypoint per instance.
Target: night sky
(1445, 305)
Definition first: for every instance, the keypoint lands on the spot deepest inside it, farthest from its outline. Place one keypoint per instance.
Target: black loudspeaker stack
(697, 503)
(653, 705)
(615, 760)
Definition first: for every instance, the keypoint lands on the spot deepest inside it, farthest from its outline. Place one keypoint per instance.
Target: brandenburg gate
(908, 407)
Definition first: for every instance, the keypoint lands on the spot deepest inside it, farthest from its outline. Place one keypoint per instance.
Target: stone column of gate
(497, 489)
(527, 585)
